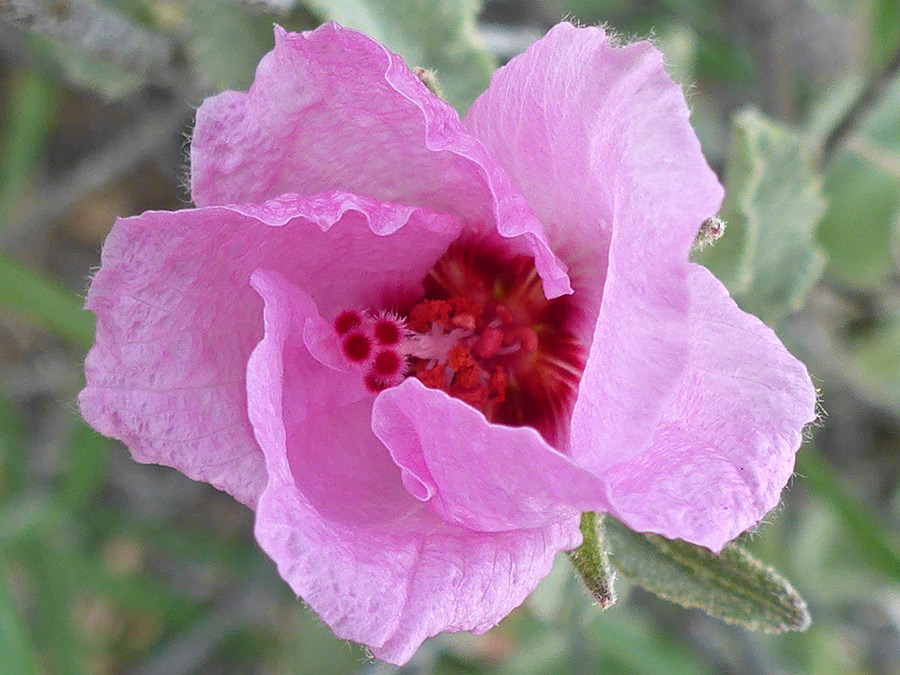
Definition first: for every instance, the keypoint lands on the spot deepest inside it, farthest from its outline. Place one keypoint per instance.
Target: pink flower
(419, 348)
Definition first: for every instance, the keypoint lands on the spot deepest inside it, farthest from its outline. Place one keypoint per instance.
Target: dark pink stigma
(346, 322)
(387, 364)
(387, 332)
(375, 384)
(357, 347)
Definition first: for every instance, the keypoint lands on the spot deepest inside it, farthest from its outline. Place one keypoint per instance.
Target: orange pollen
(435, 377)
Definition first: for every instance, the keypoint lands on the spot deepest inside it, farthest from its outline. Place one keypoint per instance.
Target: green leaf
(592, 562)
(435, 35)
(41, 300)
(86, 71)
(768, 256)
(731, 586)
(18, 655)
(225, 42)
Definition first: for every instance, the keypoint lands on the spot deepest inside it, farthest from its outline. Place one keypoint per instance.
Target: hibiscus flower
(418, 347)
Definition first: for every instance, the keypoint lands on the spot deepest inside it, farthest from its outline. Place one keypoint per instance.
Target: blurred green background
(107, 566)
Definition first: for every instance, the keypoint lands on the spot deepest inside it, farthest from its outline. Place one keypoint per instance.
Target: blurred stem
(54, 308)
(874, 541)
(855, 113)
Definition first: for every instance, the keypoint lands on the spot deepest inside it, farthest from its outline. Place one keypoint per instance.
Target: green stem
(592, 562)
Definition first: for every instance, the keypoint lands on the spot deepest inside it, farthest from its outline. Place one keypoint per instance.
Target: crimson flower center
(484, 333)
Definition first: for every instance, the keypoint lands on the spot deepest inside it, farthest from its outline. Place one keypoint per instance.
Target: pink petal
(374, 563)
(726, 442)
(177, 319)
(484, 476)
(333, 109)
(598, 140)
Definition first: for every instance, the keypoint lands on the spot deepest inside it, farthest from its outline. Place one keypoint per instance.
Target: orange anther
(496, 386)
(465, 320)
(419, 318)
(468, 377)
(466, 305)
(460, 357)
(440, 311)
(474, 397)
(436, 377)
(489, 343)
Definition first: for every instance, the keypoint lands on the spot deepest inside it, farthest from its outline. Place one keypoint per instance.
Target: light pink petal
(373, 562)
(598, 140)
(484, 476)
(177, 319)
(333, 109)
(726, 442)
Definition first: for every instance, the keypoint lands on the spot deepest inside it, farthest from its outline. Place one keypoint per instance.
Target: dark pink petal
(177, 319)
(598, 140)
(372, 561)
(333, 109)
(484, 476)
(726, 442)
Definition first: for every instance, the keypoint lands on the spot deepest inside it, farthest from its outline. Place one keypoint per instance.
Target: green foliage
(85, 71)
(731, 586)
(863, 184)
(86, 470)
(18, 654)
(873, 359)
(439, 36)
(768, 256)
(225, 41)
(873, 541)
(885, 27)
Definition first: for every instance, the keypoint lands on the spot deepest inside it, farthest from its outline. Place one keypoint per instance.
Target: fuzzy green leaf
(731, 586)
(435, 35)
(225, 42)
(768, 257)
